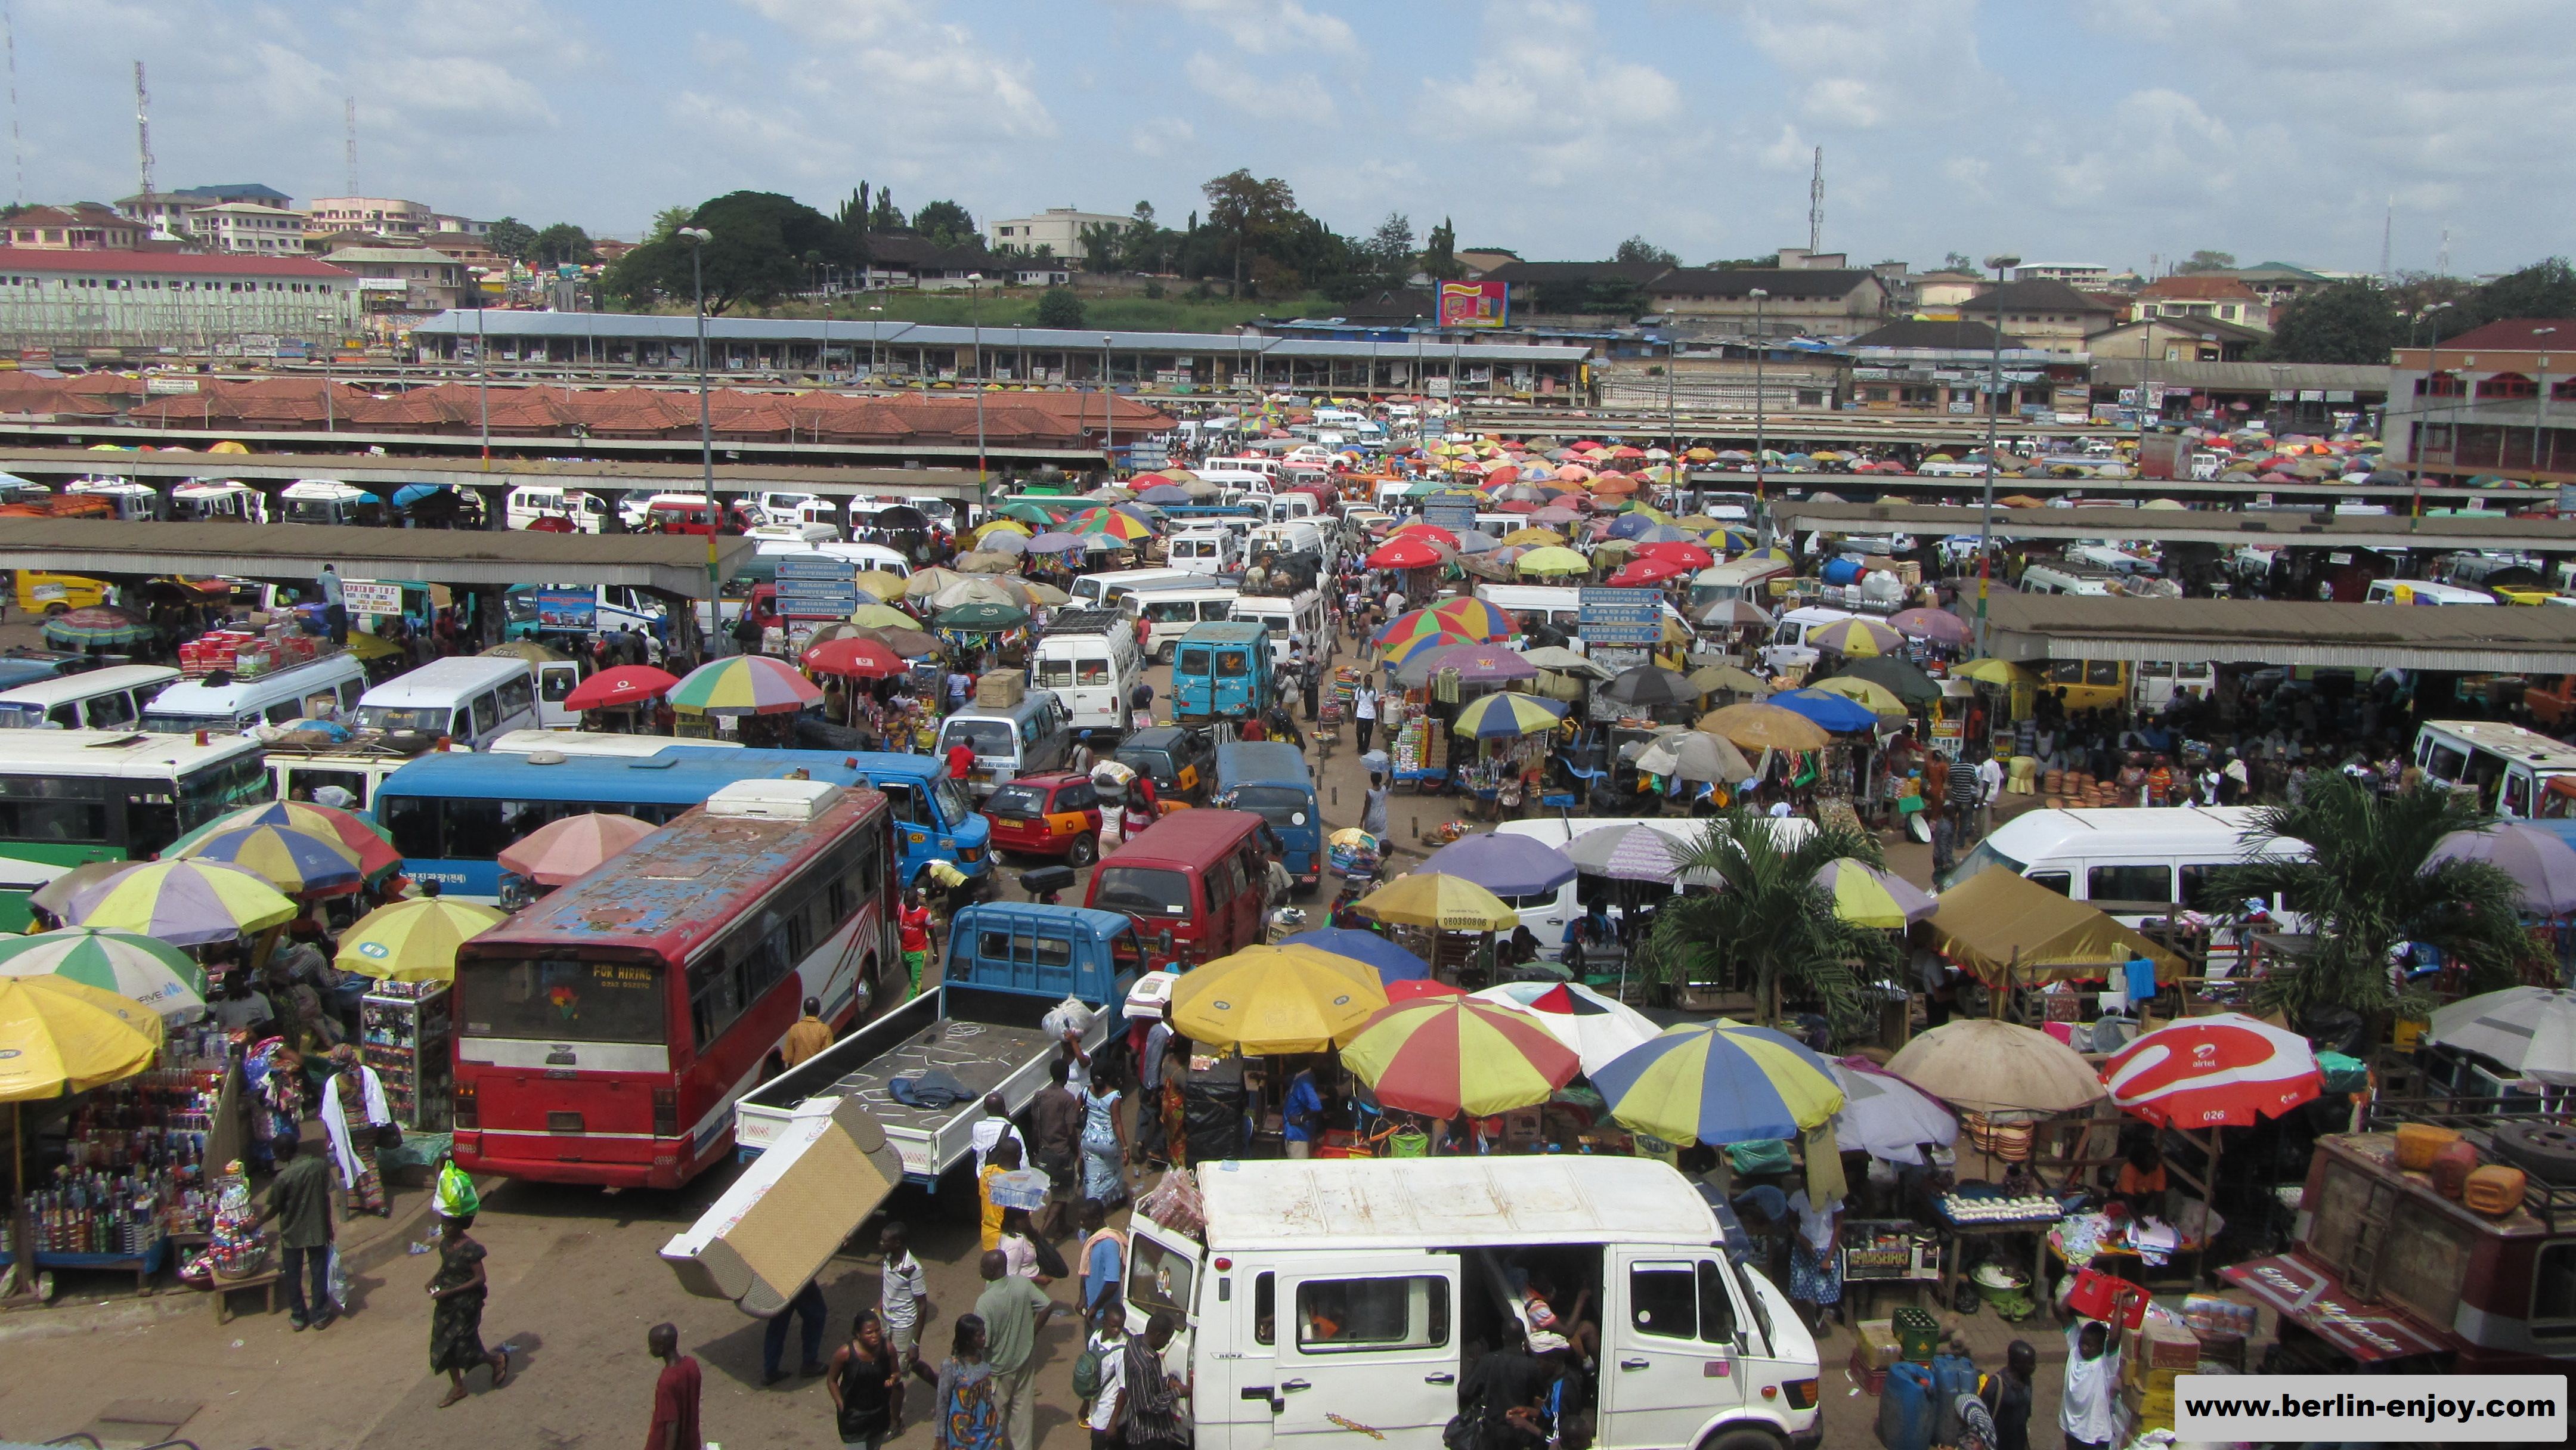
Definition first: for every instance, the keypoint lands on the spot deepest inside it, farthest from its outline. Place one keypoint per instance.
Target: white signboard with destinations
(1620, 616)
(364, 597)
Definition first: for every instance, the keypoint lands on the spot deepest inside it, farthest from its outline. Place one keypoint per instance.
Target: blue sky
(2084, 130)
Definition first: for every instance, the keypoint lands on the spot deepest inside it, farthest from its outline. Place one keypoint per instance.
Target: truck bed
(979, 1055)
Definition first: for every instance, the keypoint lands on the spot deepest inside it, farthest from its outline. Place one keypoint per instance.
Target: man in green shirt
(299, 1198)
(1013, 1310)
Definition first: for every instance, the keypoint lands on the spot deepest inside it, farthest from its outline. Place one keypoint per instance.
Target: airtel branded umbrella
(1413, 552)
(2204, 1071)
(625, 685)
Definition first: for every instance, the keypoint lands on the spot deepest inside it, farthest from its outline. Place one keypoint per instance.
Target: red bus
(604, 1033)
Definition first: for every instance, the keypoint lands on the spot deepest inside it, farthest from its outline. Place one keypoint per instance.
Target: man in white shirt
(1990, 784)
(2092, 1378)
(992, 1128)
(1363, 714)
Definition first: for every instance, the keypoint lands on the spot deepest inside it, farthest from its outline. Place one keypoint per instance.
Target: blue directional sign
(1621, 616)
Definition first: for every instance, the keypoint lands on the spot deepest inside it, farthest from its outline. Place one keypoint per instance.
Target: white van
(227, 704)
(1282, 507)
(218, 501)
(329, 501)
(1296, 536)
(1299, 619)
(133, 500)
(2069, 579)
(1788, 649)
(1104, 590)
(1089, 659)
(106, 699)
(1327, 1295)
(1010, 741)
(583, 511)
(2423, 591)
(1247, 480)
(2134, 862)
(1557, 606)
(469, 699)
(1210, 550)
(793, 533)
(867, 556)
(1172, 611)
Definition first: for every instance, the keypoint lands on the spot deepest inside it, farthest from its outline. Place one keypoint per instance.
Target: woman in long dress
(1104, 1139)
(353, 1110)
(456, 1323)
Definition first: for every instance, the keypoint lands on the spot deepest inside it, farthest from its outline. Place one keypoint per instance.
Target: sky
(2110, 131)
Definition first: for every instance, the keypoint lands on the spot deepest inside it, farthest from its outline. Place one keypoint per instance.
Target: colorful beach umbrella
(1399, 653)
(1864, 895)
(376, 854)
(1394, 964)
(59, 1036)
(1116, 523)
(1760, 726)
(620, 687)
(97, 626)
(1887, 1117)
(1720, 1082)
(1549, 561)
(1856, 637)
(744, 685)
(1442, 902)
(185, 903)
(1508, 714)
(140, 969)
(2204, 1071)
(299, 863)
(413, 940)
(1870, 696)
(1457, 1055)
(1598, 1028)
(564, 850)
(1261, 1001)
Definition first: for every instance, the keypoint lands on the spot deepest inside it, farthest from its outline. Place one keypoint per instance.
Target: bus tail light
(1802, 1394)
(666, 1112)
(462, 1099)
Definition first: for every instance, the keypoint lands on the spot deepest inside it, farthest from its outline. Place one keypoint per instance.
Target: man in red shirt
(675, 1394)
(961, 759)
(914, 923)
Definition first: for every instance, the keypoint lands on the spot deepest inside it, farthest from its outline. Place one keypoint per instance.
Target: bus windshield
(984, 737)
(427, 719)
(562, 999)
(1142, 891)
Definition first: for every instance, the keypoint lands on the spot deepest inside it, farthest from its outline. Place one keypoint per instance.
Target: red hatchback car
(1047, 815)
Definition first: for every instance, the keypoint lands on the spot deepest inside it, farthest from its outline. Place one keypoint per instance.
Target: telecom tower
(1816, 206)
(349, 142)
(143, 128)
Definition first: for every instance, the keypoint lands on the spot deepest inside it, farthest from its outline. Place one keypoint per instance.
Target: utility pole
(697, 238)
(2387, 234)
(1761, 496)
(1994, 415)
(143, 131)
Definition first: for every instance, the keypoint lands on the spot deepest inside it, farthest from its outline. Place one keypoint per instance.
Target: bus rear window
(562, 999)
(1142, 891)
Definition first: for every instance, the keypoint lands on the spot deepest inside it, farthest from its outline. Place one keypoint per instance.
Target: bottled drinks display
(133, 1167)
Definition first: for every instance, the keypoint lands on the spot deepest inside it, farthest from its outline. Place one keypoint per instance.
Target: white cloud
(1291, 99)
(1545, 92)
(1270, 27)
(1865, 63)
(939, 87)
(1160, 137)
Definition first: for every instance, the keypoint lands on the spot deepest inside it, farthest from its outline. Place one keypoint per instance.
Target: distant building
(1918, 366)
(467, 247)
(249, 191)
(247, 226)
(2485, 401)
(2075, 274)
(1058, 229)
(168, 211)
(378, 215)
(83, 226)
(459, 226)
(1942, 292)
(2206, 294)
(2278, 283)
(1565, 288)
(2049, 315)
(910, 261)
(404, 279)
(1799, 259)
(1799, 301)
(610, 248)
(1480, 260)
(58, 298)
(2177, 338)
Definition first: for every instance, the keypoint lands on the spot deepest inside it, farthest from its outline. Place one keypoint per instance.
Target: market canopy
(2009, 930)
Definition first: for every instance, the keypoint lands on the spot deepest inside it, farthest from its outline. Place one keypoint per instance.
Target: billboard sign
(363, 597)
(1620, 616)
(1474, 304)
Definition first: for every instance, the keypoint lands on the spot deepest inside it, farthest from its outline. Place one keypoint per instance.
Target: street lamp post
(698, 237)
(1108, 412)
(975, 315)
(1994, 418)
(483, 379)
(1760, 498)
(330, 409)
(1672, 412)
(876, 325)
(2432, 376)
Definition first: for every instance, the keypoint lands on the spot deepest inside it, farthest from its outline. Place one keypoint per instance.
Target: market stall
(405, 1020)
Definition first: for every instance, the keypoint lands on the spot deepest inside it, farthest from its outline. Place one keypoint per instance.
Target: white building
(466, 226)
(241, 226)
(1058, 229)
(2074, 274)
(64, 299)
(383, 215)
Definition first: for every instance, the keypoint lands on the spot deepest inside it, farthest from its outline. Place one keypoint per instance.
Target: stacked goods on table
(137, 1147)
(2223, 1327)
(2164, 1350)
(1874, 1352)
(1966, 1208)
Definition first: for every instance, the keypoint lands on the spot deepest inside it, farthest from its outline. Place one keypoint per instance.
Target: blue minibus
(1269, 778)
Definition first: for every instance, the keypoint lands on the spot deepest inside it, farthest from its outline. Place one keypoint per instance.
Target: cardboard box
(1001, 689)
(2166, 1344)
(1878, 1344)
(780, 1222)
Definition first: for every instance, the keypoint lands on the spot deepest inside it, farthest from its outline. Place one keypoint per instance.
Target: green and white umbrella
(139, 968)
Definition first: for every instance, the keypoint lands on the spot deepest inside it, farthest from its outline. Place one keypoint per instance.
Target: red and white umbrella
(2207, 1071)
(1598, 1028)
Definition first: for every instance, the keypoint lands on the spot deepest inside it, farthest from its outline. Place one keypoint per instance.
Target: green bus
(68, 797)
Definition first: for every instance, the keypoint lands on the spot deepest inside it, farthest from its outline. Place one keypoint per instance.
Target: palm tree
(1770, 923)
(2364, 889)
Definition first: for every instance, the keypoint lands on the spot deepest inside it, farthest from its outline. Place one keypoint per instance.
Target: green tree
(1764, 262)
(2543, 289)
(512, 238)
(1104, 246)
(2205, 260)
(885, 216)
(1959, 262)
(1769, 926)
(1058, 307)
(1638, 249)
(853, 212)
(668, 221)
(2348, 322)
(2365, 891)
(1248, 213)
(763, 247)
(563, 242)
(945, 224)
(1440, 253)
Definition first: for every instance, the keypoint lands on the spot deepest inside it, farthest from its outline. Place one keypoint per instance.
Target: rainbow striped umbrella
(1399, 651)
(1124, 527)
(184, 903)
(1720, 1082)
(298, 863)
(744, 685)
(1445, 1056)
(138, 968)
(1472, 619)
(376, 854)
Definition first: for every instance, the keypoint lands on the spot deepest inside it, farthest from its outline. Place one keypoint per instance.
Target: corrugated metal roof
(2299, 528)
(468, 323)
(672, 563)
(2110, 368)
(2275, 632)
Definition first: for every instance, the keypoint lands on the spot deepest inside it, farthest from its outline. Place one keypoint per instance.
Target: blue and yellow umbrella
(1720, 1082)
(1502, 716)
